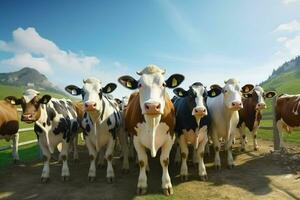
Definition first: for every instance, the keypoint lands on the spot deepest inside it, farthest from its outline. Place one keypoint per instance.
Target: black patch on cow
(71, 109)
(108, 122)
(88, 128)
(60, 108)
(44, 124)
(50, 115)
(38, 130)
(85, 115)
(184, 118)
(75, 127)
(64, 127)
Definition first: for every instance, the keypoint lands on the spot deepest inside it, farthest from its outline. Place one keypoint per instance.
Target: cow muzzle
(152, 108)
(27, 117)
(199, 111)
(236, 105)
(90, 106)
(261, 106)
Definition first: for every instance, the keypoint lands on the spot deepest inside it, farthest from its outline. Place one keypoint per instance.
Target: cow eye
(139, 85)
(225, 91)
(164, 85)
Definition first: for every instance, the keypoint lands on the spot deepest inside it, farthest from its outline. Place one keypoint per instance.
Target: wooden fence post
(277, 136)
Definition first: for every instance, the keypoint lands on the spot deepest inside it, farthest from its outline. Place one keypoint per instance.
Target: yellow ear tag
(12, 102)
(108, 90)
(213, 93)
(128, 84)
(174, 82)
(180, 94)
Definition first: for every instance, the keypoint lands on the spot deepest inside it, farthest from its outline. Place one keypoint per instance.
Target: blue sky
(207, 41)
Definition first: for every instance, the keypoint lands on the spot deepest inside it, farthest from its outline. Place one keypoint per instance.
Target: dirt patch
(257, 175)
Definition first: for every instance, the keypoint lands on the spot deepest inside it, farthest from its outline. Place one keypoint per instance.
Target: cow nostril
(95, 104)
(147, 107)
(158, 106)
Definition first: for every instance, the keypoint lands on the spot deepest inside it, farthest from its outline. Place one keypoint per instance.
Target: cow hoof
(65, 178)
(45, 179)
(141, 191)
(231, 166)
(242, 149)
(218, 167)
(184, 177)
(110, 179)
(204, 178)
(91, 179)
(168, 191)
(125, 171)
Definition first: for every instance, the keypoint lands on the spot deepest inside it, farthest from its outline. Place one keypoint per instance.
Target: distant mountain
(285, 79)
(29, 78)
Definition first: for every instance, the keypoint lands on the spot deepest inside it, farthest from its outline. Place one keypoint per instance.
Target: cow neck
(40, 121)
(98, 116)
(152, 124)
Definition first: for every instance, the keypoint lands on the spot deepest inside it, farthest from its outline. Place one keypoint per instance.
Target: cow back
(288, 109)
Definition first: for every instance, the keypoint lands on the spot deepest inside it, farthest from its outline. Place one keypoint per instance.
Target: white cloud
(31, 49)
(290, 42)
(292, 26)
(290, 1)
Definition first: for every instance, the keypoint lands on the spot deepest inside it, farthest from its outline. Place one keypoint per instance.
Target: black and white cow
(101, 123)
(192, 123)
(55, 121)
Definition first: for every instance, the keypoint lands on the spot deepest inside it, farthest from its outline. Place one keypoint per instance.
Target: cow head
(30, 103)
(232, 93)
(92, 93)
(196, 95)
(152, 88)
(258, 95)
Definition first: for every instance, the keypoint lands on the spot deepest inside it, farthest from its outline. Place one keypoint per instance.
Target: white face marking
(199, 99)
(91, 90)
(151, 90)
(30, 94)
(260, 96)
(232, 94)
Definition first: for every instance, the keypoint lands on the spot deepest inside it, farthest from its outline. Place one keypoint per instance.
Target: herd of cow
(149, 119)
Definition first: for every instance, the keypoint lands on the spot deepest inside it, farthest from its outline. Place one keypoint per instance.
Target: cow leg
(200, 155)
(242, 137)
(15, 152)
(184, 156)
(93, 156)
(228, 148)
(217, 148)
(100, 163)
(46, 158)
(65, 173)
(125, 151)
(110, 175)
(131, 148)
(279, 125)
(254, 133)
(177, 155)
(75, 148)
(164, 161)
(143, 162)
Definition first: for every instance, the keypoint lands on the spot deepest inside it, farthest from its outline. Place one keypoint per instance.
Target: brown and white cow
(250, 115)
(150, 118)
(9, 125)
(287, 112)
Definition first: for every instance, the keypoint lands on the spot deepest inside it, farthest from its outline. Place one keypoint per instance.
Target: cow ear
(128, 82)
(73, 90)
(110, 87)
(270, 94)
(174, 80)
(214, 92)
(180, 92)
(247, 88)
(45, 99)
(13, 100)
